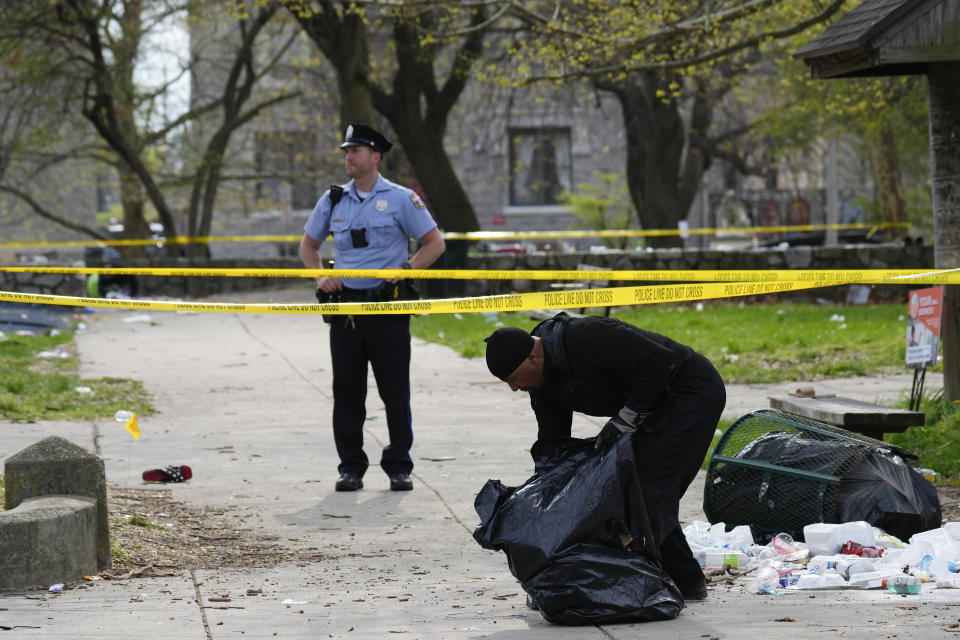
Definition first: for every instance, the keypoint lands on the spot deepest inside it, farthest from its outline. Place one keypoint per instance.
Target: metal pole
(833, 199)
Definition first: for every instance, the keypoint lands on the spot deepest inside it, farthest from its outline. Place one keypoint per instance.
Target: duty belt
(377, 294)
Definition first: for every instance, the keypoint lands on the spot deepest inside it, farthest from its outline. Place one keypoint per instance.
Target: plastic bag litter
(886, 492)
(577, 538)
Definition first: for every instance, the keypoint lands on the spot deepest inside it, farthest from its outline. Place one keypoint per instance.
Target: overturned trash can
(577, 537)
(777, 472)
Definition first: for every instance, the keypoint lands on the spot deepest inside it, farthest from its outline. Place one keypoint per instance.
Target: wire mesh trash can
(778, 472)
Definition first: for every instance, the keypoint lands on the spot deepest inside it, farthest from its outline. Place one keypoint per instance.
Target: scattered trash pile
(852, 555)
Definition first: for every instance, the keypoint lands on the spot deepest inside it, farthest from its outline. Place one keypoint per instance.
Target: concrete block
(55, 466)
(48, 540)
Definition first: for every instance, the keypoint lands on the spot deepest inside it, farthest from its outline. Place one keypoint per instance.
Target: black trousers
(669, 458)
(384, 343)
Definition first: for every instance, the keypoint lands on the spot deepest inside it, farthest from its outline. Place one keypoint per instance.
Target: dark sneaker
(698, 592)
(400, 482)
(349, 482)
(531, 603)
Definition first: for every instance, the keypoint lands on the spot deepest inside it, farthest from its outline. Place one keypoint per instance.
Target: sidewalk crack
(199, 601)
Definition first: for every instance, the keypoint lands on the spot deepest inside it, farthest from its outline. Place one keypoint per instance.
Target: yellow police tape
(600, 297)
(616, 296)
(474, 235)
(844, 276)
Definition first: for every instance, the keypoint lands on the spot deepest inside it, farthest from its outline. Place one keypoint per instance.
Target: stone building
(515, 151)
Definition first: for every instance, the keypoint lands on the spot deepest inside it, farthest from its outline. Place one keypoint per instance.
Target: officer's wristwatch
(406, 265)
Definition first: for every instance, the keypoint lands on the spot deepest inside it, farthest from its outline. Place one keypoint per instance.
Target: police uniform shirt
(391, 214)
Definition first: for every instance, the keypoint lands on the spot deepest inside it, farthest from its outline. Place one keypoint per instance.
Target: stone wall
(59, 284)
(868, 256)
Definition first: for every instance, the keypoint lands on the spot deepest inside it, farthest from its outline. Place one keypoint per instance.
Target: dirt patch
(149, 527)
(949, 495)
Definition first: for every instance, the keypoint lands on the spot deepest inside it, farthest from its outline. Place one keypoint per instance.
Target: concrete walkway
(245, 400)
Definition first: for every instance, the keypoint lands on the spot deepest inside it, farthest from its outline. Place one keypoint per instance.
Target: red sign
(499, 219)
(923, 326)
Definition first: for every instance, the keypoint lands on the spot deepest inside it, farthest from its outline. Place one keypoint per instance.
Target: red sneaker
(169, 473)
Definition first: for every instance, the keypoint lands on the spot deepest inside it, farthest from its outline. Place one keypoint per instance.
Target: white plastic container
(867, 580)
(822, 538)
(860, 532)
(809, 581)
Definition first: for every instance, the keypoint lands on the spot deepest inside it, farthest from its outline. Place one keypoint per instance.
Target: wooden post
(944, 95)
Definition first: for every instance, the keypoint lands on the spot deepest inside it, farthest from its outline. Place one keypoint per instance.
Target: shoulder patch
(417, 202)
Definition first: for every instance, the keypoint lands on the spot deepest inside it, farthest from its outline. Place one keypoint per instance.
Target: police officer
(665, 395)
(371, 220)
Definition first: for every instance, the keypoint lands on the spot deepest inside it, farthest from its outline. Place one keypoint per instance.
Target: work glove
(614, 428)
(626, 421)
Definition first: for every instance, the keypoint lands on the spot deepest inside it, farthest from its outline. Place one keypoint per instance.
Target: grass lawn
(39, 381)
(747, 343)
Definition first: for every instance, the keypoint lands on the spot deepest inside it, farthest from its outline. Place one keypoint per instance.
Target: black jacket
(597, 366)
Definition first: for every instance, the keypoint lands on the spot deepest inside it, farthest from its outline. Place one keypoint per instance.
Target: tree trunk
(662, 183)
(886, 169)
(132, 199)
(944, 93)
(417, 108)
(131, 190)
(353, 73)
(449, 203)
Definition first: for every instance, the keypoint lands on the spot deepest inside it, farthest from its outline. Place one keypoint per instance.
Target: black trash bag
(886, 492)
(592, 584)
(576, 536)
(579, 494)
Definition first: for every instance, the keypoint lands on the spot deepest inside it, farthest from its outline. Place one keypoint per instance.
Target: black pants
(669, 458)
(384, 343)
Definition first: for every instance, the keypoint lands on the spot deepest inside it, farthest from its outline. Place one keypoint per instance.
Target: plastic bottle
(903, 584)
(717, 558)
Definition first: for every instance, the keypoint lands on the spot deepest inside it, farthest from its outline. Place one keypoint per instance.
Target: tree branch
(684, 62)
(43, 212)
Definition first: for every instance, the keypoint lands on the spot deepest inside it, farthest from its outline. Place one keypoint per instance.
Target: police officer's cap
(507, 348)
(360, 135)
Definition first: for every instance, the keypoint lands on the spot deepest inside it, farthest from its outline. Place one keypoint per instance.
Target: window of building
(541, 166)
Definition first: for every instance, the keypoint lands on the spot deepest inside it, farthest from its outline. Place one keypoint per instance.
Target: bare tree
(414, 89)
(94, 46)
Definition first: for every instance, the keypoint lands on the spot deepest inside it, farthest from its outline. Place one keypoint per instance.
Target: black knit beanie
(507, 348)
